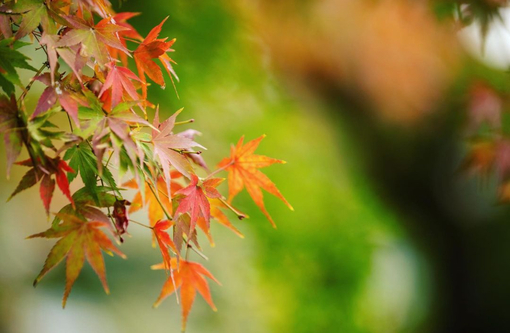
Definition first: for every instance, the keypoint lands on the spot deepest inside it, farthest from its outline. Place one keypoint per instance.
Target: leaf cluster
(87, 79)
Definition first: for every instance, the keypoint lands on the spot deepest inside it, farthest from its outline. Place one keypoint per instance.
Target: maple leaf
(86, 203)
(55, 167)
(101, 7)
(79, 239)
(10, 59)
(82, 160)
(117, 128)
(64, 93)
(195, 201)
(242, 167)
(195, 157)
(71, 55)
(164, 241)
(218, 216)
(93, 39)
(32, 13)
(118, 80)
(190, 278)
(152, 48)
(130, 32)
(149, 200)
(165, 146)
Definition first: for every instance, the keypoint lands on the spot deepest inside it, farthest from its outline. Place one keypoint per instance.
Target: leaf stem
(197, 251)
(141, 224)
(27, 88)
(218, 170)
(184, 122)
(70, 123)
(156, 195)
(229, 206)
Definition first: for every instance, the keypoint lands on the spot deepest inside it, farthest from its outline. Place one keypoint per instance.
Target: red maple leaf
(56, 167)
(118, 82)
(195, 201)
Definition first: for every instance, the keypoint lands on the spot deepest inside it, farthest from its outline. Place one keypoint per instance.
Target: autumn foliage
(87, 79)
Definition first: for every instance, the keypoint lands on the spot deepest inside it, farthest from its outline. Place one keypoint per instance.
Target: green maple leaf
(33, 13)
(10, 59)
(83, 161)
(94, 38)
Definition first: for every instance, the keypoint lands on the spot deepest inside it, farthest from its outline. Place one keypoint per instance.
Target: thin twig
(219, 170)
(229, 206)
(141, 224)
(27, 88)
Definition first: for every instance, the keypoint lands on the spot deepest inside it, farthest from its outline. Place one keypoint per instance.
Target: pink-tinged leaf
(46, 101)
(94, 214)
(195, 202)
(50, 41)
(165, 144)
(118, 80)
(5, 26)
(70, 105)
(69, 99)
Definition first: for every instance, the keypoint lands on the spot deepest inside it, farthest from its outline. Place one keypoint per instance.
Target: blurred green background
(386, 235)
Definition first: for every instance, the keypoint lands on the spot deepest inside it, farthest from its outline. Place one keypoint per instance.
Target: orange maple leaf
(154, 208)
(79, 239)
(164, 241)
(220, 217)
(190, 278)
(152, 48)
(242, 167)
